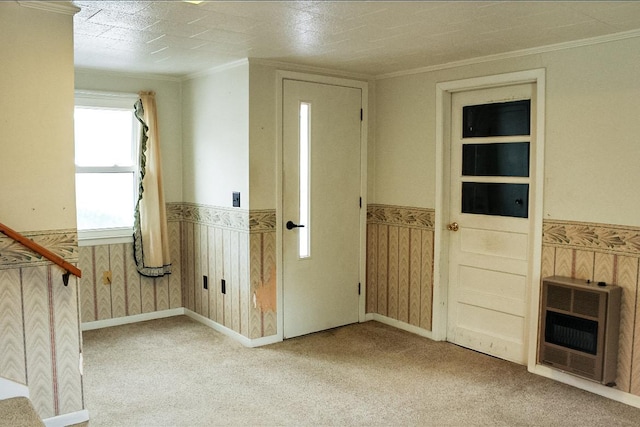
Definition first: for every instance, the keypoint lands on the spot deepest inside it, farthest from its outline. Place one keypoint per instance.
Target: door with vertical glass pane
(491, 149)
(321, 211)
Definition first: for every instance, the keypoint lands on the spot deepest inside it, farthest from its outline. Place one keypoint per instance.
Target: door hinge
(361, 114)
(359, 288)
(360, 202)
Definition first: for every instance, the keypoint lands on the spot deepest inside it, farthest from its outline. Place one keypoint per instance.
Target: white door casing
(444, 93)
(320, 291)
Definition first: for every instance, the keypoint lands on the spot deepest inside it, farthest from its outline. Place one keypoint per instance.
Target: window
(106, 132)
(305, 181)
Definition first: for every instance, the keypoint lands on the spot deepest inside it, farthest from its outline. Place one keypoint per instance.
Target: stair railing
(39, 249)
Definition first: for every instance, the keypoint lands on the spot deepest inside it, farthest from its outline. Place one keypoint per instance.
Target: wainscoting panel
(382, 241)
(216, 302)
(38, 340)
(267, 289)
(133, 298)
(12, 354)
(256, 320)
(415, 277)
(65, 321)
(101, 264)
(239, 247)
(426, 283)
(118, 282)
(188, 273)
(111, 286)
(175, 278)
(39, 323)
(372, 268)
(87, 291)
(609, 253)
(400, 263)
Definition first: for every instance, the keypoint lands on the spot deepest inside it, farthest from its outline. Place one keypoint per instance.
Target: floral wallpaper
(63, 243)
(600, 237)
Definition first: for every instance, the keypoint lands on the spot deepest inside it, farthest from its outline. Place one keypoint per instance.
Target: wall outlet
(236, 199)
(205, 282)
(223, 286)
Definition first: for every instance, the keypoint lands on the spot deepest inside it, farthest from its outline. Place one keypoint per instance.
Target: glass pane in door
(496, 159)
(489, 198)
(497, 119)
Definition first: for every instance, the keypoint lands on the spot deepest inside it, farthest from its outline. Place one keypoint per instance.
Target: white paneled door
(492, 145)
(321, 206)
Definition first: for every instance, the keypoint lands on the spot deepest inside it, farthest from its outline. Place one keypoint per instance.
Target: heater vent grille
(586, 303)
(582, 364)
(555, 356)
(559, 297)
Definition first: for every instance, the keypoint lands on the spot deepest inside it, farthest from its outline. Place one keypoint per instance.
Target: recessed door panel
(495, 243)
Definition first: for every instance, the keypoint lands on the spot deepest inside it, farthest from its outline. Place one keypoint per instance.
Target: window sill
(108, 236)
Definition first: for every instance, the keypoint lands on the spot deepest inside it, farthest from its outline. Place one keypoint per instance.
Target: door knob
(453, 226)
(291, 225)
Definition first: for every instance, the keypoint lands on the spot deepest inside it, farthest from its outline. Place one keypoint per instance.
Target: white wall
(593, 134)
(262, 129)
(592, 139)
(216, 137)
(40, 335)
(262, 136)
(169, 103)
(37, 180)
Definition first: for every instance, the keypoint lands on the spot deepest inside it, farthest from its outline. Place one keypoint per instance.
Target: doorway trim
(281, 76)
(444, 91)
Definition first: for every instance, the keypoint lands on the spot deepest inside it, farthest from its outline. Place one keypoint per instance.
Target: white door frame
(444, 91)
(312, 78)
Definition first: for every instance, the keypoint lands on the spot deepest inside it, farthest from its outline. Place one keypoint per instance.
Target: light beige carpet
(18, 412)
(176, 372)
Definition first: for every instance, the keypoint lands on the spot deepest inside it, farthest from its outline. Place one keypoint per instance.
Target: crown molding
(290, 66)
(216, 69)
(133, 75)
(87, 93)
(515, 54)
(62, 7)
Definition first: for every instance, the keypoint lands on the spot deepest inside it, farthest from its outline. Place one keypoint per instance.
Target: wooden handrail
(68, 267)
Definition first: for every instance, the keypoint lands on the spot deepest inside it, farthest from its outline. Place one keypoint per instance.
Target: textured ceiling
(361, 37)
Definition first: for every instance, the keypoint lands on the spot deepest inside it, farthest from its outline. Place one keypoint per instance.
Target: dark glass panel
(572, 332)
(495, 199)
(499, 159)
(498, 119)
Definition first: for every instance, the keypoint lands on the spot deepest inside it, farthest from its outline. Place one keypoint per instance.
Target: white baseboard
(247, 342)
(99, 324)
(400, 325)
(9, 389)
(67, 419)
(584, 384)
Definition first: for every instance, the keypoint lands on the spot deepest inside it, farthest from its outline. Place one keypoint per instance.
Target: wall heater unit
(579, 327)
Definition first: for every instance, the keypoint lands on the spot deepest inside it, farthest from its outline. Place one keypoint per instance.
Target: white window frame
(108, 100)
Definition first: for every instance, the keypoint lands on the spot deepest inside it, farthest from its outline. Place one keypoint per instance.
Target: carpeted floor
(18, 412)
(177, 372)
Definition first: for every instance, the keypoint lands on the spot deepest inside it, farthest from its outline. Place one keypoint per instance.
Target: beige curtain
(151, 239)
